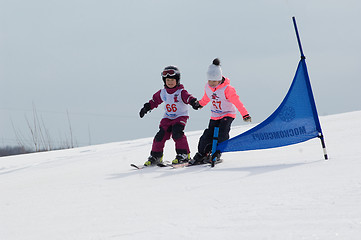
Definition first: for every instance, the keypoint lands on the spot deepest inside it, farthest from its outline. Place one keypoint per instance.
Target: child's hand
(195, 104)
(144, 110)
(247, 118)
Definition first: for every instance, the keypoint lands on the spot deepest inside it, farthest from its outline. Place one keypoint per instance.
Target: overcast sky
(94, 63)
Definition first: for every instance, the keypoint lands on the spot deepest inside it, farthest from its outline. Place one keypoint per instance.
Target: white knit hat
(214, 72)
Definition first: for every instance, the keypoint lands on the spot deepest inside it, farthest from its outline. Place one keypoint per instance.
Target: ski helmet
(171, 72)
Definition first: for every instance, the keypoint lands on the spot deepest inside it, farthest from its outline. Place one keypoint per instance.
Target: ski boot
(217, 156)
(181, 158)
(198, 159)
(152, 161)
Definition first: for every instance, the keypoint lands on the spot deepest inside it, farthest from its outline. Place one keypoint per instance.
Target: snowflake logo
(214, 96)
(287, 114)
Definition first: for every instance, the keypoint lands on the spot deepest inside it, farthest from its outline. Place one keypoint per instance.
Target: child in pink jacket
(224, 105)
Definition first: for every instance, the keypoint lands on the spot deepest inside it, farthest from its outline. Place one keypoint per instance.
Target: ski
(162, 164)
(181, 165)
(174, 166)
(206, 163)
(139, 167)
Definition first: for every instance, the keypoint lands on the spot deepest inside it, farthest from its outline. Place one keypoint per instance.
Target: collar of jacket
(173, 90)
(223, 84)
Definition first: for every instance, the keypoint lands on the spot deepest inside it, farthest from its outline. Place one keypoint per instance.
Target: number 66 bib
(173, 104)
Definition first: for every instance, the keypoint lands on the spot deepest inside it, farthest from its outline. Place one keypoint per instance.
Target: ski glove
(195, 104)
(144, 110)
(247, 118)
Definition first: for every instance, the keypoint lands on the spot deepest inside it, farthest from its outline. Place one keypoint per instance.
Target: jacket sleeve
(205, 99)
(186, 96)
(156, 100)
(233, 97)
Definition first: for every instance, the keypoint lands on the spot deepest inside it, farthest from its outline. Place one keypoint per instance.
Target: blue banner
(294, 121)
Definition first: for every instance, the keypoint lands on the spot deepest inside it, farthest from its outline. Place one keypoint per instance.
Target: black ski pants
(206, 140)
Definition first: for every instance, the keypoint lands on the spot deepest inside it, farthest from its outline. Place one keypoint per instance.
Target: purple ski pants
(171, 128)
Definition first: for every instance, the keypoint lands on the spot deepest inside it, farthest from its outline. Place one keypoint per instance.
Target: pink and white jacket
(175, 99)
(224, 101)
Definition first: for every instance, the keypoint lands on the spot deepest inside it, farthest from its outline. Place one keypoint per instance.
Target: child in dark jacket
(173, 123)
(225, 103)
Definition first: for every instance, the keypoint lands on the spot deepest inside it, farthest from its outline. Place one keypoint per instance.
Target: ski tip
(135, 166)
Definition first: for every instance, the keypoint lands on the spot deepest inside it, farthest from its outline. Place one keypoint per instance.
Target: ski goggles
(169, 72)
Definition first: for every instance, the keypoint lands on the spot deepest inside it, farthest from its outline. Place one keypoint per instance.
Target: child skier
(223, 111)
(175, 99)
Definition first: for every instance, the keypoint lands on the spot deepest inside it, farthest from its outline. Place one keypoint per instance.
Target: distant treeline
(8, 151)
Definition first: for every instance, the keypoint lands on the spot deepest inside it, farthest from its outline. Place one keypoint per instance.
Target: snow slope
(93, 193)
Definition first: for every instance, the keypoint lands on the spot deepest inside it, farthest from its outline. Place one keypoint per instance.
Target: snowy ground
(92, 192)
